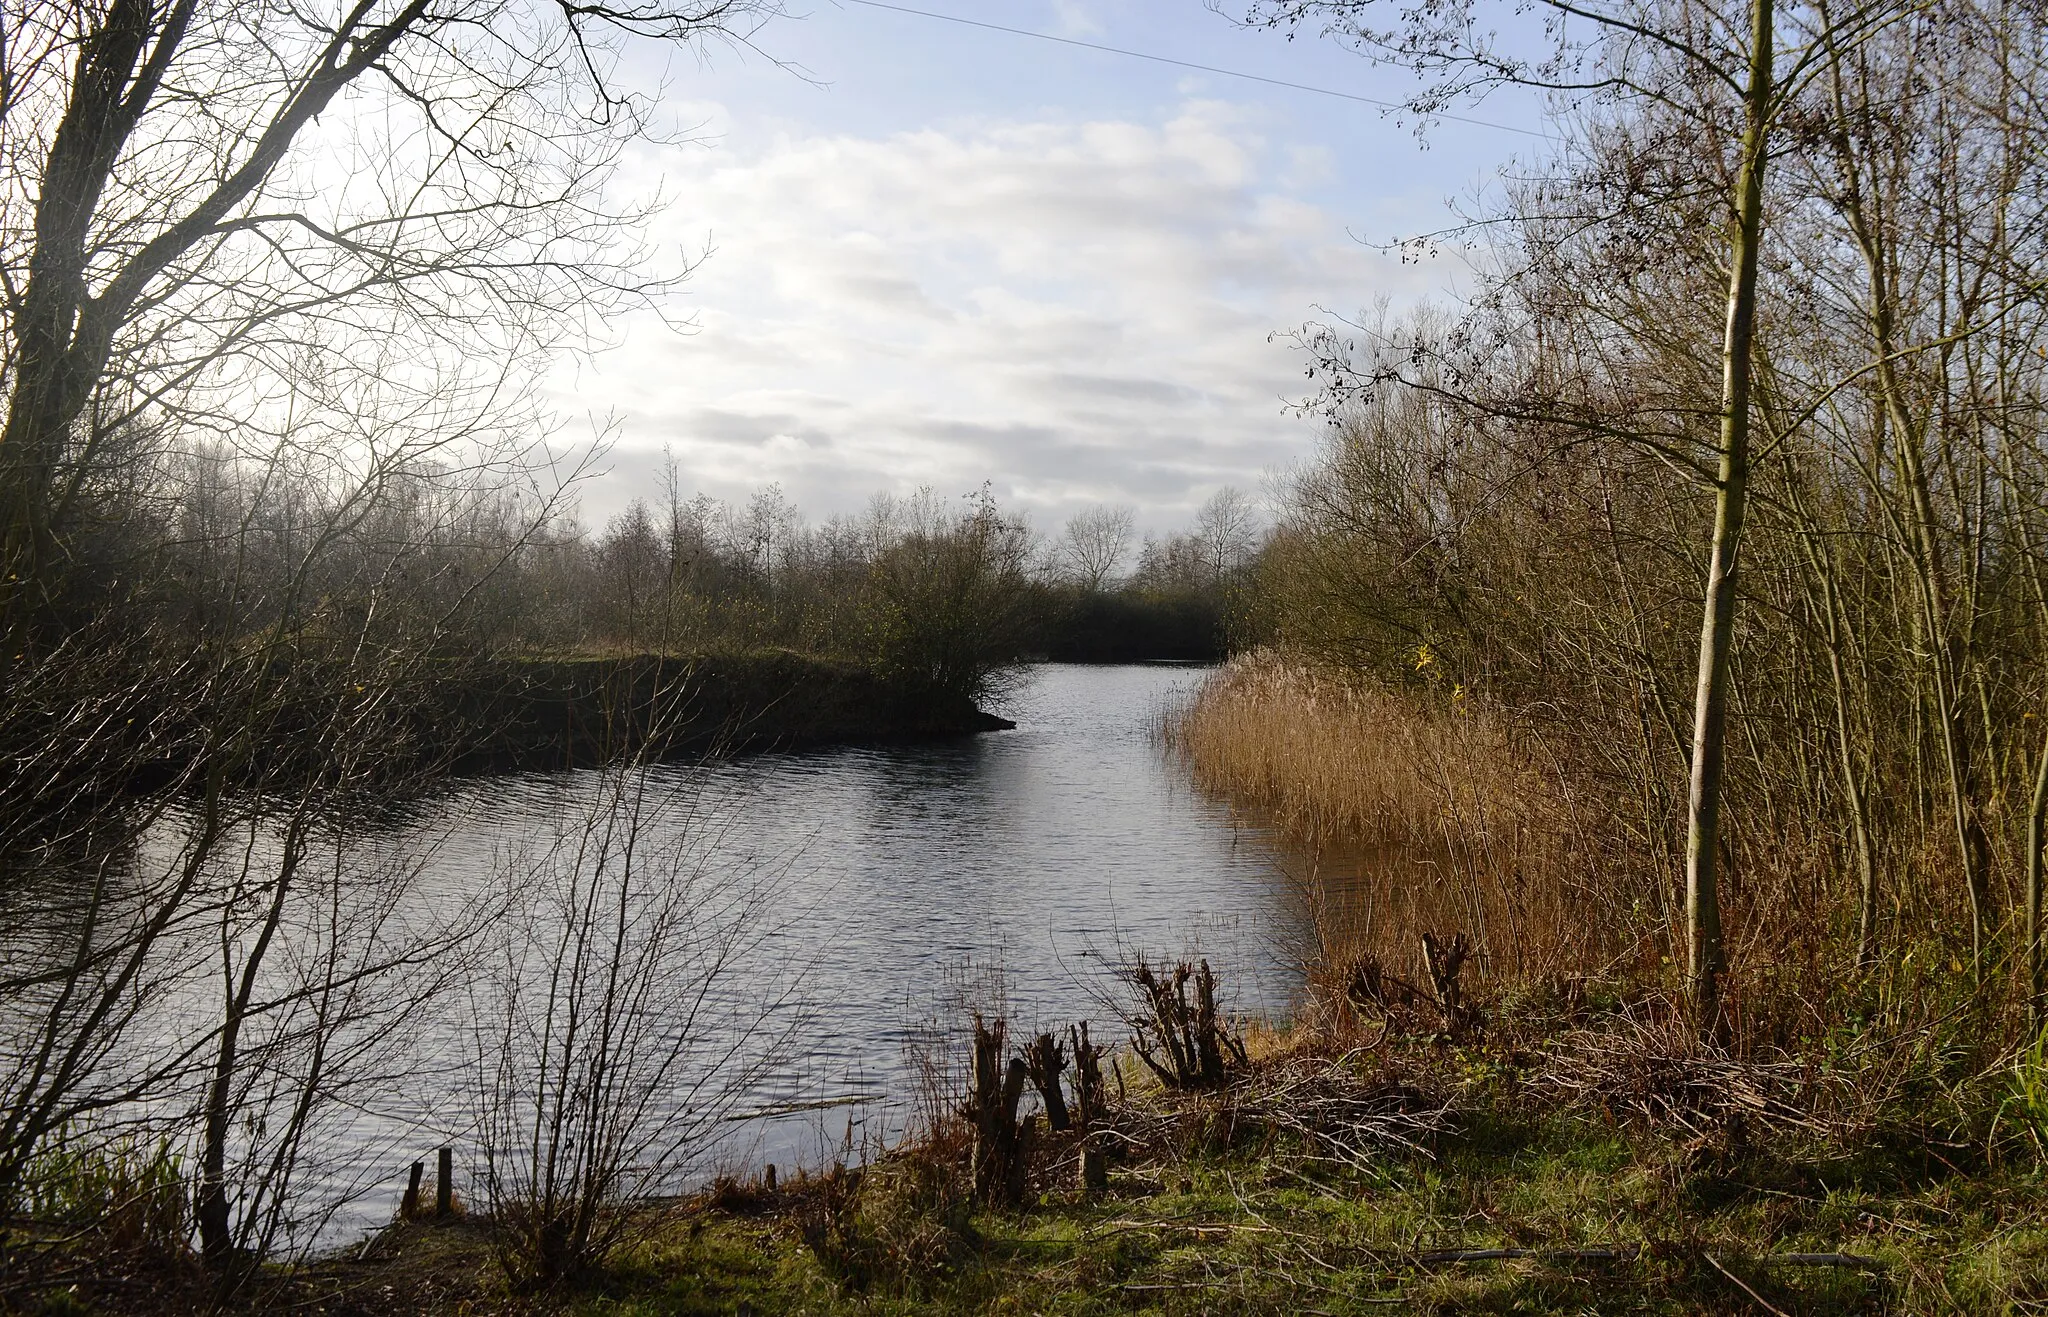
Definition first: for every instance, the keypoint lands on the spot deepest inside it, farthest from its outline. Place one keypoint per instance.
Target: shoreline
(556, 713)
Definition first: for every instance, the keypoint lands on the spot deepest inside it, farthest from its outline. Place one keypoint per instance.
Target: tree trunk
(1705, 959)
(211, 1204)
(2037, 815)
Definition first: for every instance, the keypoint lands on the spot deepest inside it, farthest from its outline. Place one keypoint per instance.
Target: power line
(1184, 64)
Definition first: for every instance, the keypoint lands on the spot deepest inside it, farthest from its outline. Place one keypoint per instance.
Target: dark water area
(886, 891)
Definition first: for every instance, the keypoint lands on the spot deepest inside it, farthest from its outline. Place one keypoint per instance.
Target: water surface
(1002, 871)
(886, 892)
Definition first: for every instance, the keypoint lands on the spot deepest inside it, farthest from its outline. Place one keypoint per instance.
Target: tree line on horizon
(701, 573)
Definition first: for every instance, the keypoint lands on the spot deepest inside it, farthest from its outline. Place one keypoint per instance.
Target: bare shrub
(615, 1029)
(1365, 990)
(1186, 1043)
(205, 946)
(1343, 1116)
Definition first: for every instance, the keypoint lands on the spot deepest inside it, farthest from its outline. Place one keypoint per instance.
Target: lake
(867, 898)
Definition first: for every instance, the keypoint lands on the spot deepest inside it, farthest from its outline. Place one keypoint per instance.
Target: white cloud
(1074, 19)
(1075, 311)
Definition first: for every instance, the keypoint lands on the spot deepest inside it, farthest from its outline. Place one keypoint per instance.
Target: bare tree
(1227, 529)
(205, 198)
(616, 1029)
(1723, 77)
(1094, 544)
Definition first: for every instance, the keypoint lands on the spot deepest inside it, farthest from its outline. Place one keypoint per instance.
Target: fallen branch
(1847, 1261)
(1627, 1252)
(1609, 1253)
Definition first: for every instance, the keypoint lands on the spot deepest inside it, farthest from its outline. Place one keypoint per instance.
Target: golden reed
(1410, 812)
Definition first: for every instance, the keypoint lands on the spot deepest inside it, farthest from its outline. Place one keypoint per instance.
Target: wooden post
(1000, 1147)
(1089, 1102)
(1045, 1059)
(409, 1206)
(768, 1178)
(444, 1183)
(1016, 1138)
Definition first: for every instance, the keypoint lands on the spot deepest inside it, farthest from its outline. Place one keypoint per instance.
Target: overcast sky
(943, 255)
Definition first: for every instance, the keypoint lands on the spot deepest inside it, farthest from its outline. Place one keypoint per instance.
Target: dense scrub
(1767, 616)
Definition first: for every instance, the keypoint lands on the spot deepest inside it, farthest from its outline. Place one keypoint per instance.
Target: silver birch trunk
(1705, 958)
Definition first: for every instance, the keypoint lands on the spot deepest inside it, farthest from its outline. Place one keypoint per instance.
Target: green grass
(1238, 1232)
(1695, 1225)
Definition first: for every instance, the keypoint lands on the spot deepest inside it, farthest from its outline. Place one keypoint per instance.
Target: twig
(1851, 1261)
(1219, 1227)
(1605, 1253)
(1743, 1285)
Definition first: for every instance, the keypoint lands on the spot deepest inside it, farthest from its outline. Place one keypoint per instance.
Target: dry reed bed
(1419, 814)
(1325, 758)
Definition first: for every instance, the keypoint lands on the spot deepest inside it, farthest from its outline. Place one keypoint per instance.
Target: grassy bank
(1566, 1157)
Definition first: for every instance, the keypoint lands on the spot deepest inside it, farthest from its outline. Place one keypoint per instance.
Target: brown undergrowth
(1435, 1144)
(1404, 1136)
(1413, 812)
